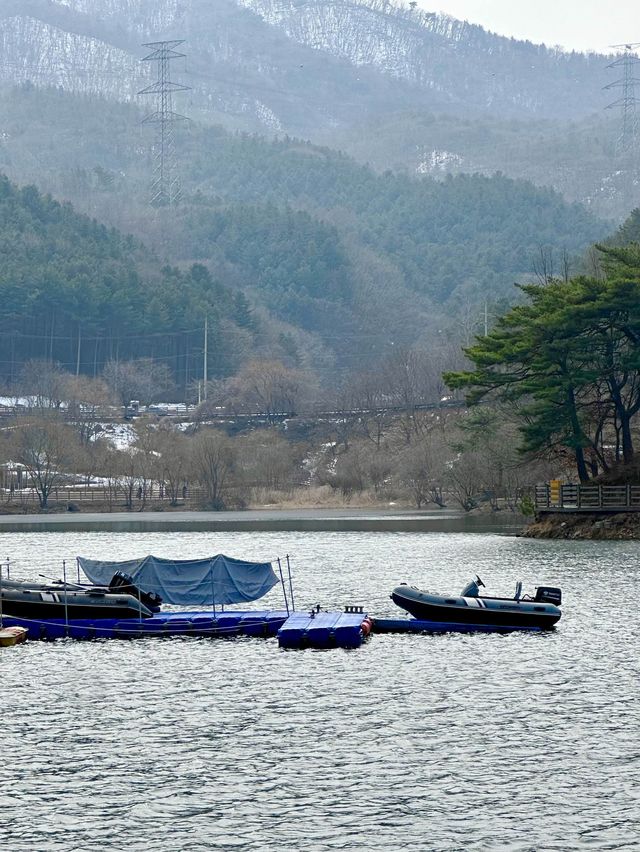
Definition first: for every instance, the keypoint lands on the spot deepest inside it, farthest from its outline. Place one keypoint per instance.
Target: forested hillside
(353, 257)
(78, 293)
(578, 159)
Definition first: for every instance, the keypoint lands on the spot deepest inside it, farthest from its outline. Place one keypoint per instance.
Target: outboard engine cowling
(472, 589)
(121, 582)
(548, 594)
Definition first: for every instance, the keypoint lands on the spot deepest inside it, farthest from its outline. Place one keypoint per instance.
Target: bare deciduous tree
(174, 455)
(85, 399)
(45, 447)
(143, 379)
(268, 460)
(128, 476)
(212, 463)
(42, 383)
(266, 387)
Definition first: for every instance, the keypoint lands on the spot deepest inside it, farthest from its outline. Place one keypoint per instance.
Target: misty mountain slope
(432, 240)
(472, 67)
(441, 235)
(239, 67)
(298, 67)
(395, 86)
(578, 159)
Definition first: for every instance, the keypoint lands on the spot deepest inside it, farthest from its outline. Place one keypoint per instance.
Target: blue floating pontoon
(264, 623)
(414, 625)
(324, 630)
(298, 630)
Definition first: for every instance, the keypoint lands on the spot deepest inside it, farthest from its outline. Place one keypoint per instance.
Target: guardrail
(100, 495)
(557, 497)
(117, 497)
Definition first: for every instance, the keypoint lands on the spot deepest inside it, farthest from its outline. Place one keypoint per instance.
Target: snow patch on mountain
(365, 32)
(268, 117)
(433, 162)
(143, 16)
(46, 55)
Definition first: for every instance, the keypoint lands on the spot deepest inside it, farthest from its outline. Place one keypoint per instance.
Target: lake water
(520, 742)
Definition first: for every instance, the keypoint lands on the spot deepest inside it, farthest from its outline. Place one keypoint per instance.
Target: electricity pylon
(165, 185)
(627, 142)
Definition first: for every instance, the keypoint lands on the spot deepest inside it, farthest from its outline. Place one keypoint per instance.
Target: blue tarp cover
(190, 582)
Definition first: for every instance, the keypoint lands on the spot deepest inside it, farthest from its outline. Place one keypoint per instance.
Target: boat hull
(499, 612)
(10, 636)
(43, 605)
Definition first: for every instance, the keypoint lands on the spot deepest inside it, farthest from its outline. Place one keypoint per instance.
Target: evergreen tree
(568, 361)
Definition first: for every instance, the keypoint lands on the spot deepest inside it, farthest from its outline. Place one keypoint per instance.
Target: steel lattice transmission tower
(628, 139)
(165, 186)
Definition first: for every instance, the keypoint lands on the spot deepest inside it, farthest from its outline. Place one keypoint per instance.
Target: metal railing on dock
(558, 497)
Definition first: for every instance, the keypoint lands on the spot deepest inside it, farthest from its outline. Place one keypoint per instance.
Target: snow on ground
(26, 402)
(121, 435)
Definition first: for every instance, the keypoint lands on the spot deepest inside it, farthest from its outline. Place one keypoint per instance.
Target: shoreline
(562, 526)
(269, 520)
(621, 526)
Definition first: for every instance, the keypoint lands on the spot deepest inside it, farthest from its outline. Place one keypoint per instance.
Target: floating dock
(325, 629)
(414, 625)
(310, 629)
(259, 623)
(296, 630)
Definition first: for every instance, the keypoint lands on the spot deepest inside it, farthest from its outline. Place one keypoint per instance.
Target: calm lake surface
(521, 742)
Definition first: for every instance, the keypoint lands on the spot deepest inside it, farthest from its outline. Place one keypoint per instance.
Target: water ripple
(456, 742)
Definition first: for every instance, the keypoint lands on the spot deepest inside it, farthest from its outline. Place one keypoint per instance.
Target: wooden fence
(557, 497)
(101, 496)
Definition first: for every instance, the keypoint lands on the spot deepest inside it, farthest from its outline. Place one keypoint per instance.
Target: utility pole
(78, 350)
(627, 143)
(165, 185)
(206, 355)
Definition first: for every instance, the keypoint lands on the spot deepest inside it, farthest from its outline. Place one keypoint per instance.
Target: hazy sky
(575, 24)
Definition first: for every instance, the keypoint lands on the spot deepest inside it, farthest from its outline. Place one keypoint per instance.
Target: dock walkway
(556, 497)
(312, 629)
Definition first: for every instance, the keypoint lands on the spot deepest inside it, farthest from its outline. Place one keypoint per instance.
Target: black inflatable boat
(41, 601)
(540, 611)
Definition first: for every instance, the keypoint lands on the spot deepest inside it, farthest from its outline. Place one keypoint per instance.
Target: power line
(165, 186)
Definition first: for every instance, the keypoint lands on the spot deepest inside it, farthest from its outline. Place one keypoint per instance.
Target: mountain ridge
(258, 61)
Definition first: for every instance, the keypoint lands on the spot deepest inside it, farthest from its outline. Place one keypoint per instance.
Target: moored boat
(10, 636)
(120, 599)
(541, 611)
(133, 590)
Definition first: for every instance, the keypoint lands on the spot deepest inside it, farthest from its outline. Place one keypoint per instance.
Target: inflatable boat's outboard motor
(472, 589)
(548, 594)
(121, 582)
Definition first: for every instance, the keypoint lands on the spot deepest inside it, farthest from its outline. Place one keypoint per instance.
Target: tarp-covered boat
(190, 582)
(136, 588)
(541, 611)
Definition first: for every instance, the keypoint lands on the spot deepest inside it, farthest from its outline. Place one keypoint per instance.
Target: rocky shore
(620, 527)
